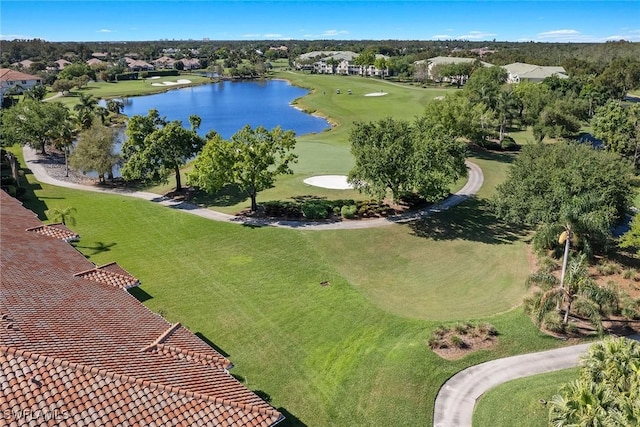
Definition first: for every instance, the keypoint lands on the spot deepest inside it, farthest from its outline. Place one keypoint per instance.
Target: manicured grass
(123, 89)
(353, 352)
(521, 401)
(328, 355)
(328, 152)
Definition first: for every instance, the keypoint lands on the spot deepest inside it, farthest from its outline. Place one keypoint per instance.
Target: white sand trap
(376, 94)
(333, 182)
(438, 98)
(178, 82)
(154, 77)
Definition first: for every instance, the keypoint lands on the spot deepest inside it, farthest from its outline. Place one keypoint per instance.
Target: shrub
(629, 273)
(315, 210)
(436, 343)
(278, 208)
(458, 342)
(348, 212)
(552, 321)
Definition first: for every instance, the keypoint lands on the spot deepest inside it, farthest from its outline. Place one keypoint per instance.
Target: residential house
(61, 63)
(12, 81)
(95, 62)
(338, 62)
(190, 63)
(164, 62)
(101, 55)
(443, 60)
(77, 348)
(137, 65)
(519, 71)
(23, 64)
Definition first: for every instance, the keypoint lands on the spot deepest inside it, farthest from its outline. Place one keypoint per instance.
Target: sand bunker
(334, 182)
(376, 94)
(178, 82)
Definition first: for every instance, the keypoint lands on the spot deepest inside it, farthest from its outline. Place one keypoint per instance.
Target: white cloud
(575, 36)
(442, 37)
(334, 33)
(15, 37)
(476, 35)
(558, 33)
(104, 30)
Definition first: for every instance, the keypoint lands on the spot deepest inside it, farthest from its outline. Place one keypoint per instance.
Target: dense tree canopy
(566, 182)
(34, 123)
(252, 159)
(397, 156)
(155, 148)
(619, 128)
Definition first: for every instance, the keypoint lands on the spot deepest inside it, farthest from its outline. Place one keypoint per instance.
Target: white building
(16, 82)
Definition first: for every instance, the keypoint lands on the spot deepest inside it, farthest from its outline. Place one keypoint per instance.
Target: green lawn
(353, 353)
(328, 152)
(523, 400)
(335, 355)
(123, 89)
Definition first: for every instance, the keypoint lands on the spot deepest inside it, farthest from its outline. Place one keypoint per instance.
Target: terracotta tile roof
(110, 274)
(57, 231)
(8, 75)
(91, 349)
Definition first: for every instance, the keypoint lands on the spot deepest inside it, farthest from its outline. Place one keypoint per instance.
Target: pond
(228, 106)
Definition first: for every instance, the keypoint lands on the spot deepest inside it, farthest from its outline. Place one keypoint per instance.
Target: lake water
(227, 106)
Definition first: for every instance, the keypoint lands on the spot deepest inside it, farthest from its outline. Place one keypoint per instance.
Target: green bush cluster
(372, 208)
(159, 73)
(313, 208)
(127, 76)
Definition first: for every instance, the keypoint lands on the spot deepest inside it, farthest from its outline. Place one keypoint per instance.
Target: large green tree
(34, 123)
(547, 183)
(252, 159)
(401, 157)
(155, 149)
(384, 155)
(619, 128)
(95, 151)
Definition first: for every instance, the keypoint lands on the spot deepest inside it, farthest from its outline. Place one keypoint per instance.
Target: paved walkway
(457, 397)
(474, 183)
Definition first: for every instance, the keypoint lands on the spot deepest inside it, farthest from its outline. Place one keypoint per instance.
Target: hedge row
(322, 209)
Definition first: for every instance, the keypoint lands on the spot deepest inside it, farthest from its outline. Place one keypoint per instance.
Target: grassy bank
(524, 400)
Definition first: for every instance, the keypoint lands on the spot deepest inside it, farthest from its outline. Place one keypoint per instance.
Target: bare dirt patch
(455, 342)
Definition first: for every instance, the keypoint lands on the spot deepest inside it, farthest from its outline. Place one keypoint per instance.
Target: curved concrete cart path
(474, 183)
(457, 397)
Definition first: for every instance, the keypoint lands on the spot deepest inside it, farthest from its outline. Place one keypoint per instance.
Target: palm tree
(62, 215)
(506, 109)
(579, 293)
(115, 106)
(85, 109)
(607, 392)
(103, 113)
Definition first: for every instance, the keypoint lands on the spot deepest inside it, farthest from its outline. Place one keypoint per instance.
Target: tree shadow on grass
(228, 195)
(471, 220)
(95, 248)
(29, 199)
(496, 156)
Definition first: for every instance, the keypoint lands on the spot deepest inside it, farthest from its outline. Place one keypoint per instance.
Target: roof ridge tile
(129, 379)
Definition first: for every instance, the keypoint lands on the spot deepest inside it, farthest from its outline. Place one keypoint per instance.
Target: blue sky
(119, 20)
